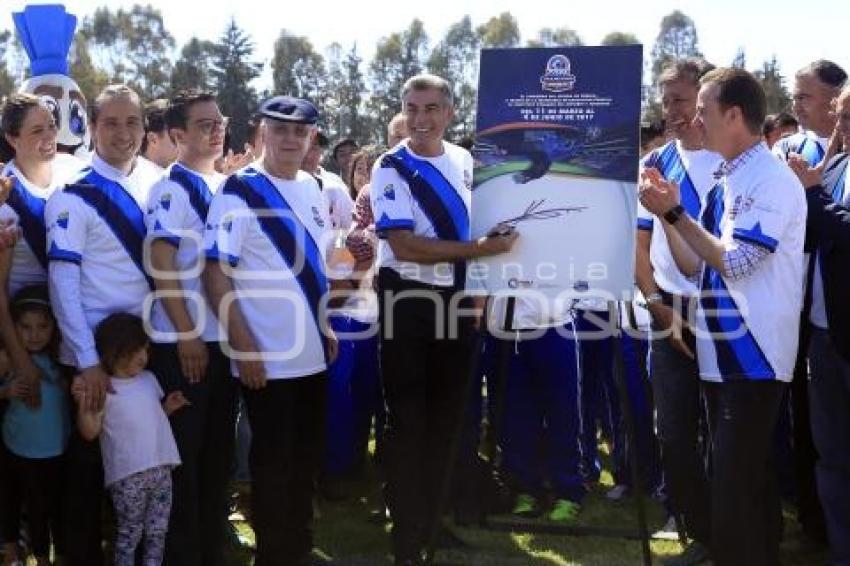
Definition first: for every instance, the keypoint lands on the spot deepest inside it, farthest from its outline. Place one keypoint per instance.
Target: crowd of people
(167, 292)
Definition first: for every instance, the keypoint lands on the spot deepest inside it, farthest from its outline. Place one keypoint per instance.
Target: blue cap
(289, 109)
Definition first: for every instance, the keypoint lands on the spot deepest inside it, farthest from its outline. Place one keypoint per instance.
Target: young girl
(138, 447)
(34, 439)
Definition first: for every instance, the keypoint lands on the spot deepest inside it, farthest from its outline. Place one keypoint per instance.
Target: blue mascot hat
(46, 32)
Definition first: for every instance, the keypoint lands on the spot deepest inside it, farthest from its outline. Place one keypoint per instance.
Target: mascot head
(46, 32)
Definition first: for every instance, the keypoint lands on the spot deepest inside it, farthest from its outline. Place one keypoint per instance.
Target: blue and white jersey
(430, 196)
(747, 328)
(97, 222)
(271, 236)
(177, 211)
(25, 208)
(807, 144)
(693, 171)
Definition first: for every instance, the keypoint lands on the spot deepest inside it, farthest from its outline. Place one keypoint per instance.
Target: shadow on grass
(344, 531)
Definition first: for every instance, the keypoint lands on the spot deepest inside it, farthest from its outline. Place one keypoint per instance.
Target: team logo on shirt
(226, 225)
(165, 201)
(467, 179)
(62, 219)
(389, 191)
(557, 77)
(740, 205)
(317, 217)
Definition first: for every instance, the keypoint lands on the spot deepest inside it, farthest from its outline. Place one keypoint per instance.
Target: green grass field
(344, 532)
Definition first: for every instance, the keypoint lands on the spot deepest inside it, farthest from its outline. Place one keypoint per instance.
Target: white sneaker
(668, 531)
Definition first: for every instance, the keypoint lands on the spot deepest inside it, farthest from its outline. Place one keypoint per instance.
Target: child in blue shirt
(34, 439)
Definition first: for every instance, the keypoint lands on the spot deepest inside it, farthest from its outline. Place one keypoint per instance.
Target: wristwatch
(672, 216)
(653, 298)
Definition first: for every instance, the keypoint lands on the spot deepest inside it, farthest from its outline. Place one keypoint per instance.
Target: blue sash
(669, 163)
(741, 357)
(30, 211)
(119, 211)
(437, 198)
(259, 193)
(838, 194)
(199, 193)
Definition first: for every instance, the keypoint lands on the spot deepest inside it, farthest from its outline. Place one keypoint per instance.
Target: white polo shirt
(747, 329)
(693, 171)
(279, 312)
(25, 208)
(396, 207)
(177, 211)
(82, 230)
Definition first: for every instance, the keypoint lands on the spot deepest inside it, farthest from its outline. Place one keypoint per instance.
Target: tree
(499, 31)
(455, 58)
(87, 75)
(620, 38)
(334, 84)
(132, 46)
(342, 99)
(773, 82)
(194, 68)
(232, 74)
(397, 58)
(7, 83)
(676, 39)
(297, 70)
(740, 60)
(549, 37)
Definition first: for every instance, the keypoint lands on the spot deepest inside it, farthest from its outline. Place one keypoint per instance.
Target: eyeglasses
(207, 127)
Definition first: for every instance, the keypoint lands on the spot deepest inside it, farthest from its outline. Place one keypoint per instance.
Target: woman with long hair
(33, 171)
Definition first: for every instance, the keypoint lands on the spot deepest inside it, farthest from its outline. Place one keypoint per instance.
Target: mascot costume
(46, 32)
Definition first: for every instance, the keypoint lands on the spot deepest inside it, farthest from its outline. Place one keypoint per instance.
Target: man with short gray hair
(421, 197)
(265, 277)
(829, 322)
(815, 86)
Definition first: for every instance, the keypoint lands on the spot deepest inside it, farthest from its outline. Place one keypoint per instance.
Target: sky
(761, 27)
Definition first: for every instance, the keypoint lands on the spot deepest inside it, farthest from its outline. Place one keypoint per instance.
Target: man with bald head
(396, 130)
